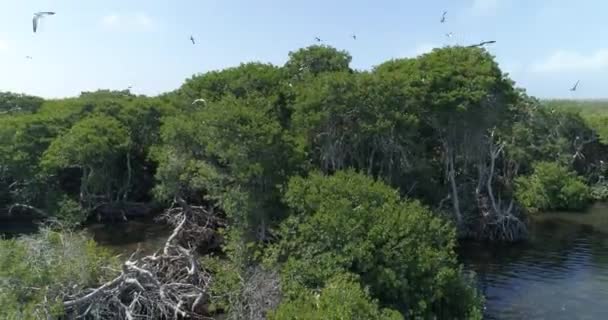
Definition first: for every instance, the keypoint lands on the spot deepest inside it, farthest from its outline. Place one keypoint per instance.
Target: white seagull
(38, 16)
(199, 100)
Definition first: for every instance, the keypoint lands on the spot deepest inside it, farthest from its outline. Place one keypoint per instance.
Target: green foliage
(341, 298)
(350, 223)
(16, 103)
(552, 186)
(90, 143)
(315, 60)
(35, 271)
(230, 147)
(70, 213)
(242, 81)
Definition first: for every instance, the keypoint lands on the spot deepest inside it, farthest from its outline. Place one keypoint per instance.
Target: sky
(544, 45)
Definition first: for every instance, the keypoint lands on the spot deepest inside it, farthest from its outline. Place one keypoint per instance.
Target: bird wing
(35, 22)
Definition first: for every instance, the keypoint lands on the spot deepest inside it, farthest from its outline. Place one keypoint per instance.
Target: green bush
(599, 191)
(36, 271)
(552, 186)
(341, 298)
(349, 223)
(70, 213)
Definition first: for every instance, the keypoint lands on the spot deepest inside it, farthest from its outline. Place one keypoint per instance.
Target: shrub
(349, 223)
(341, 298)
(552, 186)
(37, 271)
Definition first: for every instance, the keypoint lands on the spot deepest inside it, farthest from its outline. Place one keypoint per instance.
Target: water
(147, 236)
(560, 273)
(122, 238)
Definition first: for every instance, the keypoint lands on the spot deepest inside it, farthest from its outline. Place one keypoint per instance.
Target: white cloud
(562, 61)
(484, 7)
(138, 20)
(110, 20)
(143, 20)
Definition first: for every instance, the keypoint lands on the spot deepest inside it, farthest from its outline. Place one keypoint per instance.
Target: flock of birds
(39, 15)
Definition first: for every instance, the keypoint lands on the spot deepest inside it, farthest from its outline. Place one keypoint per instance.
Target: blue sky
(546, 45)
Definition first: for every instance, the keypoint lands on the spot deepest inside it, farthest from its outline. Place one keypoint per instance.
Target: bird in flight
(38, 16)
(354, 36)
(575, 86)
(449, 34)
(199, 100)
(443, 16)
(318, 39)
(28, 57)
(481, 44)
(192, 39)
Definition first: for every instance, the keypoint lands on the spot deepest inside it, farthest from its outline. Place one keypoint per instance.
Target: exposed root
(504, 227)
(169, 284)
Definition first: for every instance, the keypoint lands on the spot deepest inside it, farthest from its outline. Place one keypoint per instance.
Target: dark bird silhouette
(481, 44)
(318, 39)
(443, 16)
(28, 57)
(38, 16)
(354, 37)
(192, 39)
(575, 86)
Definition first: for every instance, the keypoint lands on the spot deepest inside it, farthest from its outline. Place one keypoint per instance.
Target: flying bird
(449, 34)
(199, 100)
(575, 86)
(354, 37)
(38, 16)
(192, 39)
(28, 57)
(318, 39)
(443, 16)
(481, 44)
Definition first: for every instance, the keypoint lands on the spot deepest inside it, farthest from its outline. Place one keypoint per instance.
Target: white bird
(38, 16)
(449, 34)
(443, 16)
(199, 100)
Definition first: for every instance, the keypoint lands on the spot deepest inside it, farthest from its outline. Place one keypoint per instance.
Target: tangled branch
(169, 284)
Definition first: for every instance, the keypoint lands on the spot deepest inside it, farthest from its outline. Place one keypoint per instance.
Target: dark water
(145, 235)
(560, 273)
(122, 238)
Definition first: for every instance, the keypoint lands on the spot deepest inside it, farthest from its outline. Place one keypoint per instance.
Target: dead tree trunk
(497, 222)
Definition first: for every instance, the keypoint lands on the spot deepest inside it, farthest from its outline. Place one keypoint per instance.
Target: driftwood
(170, 284)
(26, 207)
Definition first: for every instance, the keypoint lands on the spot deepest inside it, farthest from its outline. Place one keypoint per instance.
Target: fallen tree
(169, 284)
